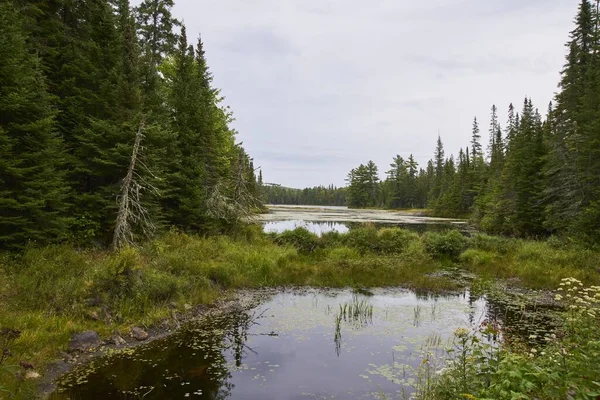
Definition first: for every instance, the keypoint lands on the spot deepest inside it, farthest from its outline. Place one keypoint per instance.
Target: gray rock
(117, 340)
(139, 333)
(84, 341)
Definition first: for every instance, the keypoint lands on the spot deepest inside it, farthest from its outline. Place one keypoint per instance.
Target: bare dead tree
(131, 210)
(241, 205)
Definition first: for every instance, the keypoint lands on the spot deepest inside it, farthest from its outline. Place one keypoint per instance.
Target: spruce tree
(32, 188)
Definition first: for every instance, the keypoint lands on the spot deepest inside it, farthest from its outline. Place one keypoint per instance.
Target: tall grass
(52, 292)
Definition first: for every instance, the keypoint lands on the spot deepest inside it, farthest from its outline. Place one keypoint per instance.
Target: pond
(322, 219)
(294, 344)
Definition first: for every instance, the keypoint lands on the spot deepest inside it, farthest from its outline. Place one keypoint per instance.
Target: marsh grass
(52, 292)
(358, 312)
(533, 264)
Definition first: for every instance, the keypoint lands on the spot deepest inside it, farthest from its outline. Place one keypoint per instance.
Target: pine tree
(572, 142)
(32, 188)
(437, 180)
(184, 203)
(476, 149)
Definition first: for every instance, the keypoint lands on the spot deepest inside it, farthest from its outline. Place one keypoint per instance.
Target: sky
(319, 86)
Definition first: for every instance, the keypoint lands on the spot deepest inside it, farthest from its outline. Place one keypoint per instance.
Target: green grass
(532, 264)
(52, 292)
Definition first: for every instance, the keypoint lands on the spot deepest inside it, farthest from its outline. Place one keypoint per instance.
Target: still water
(323, 219)
(288, 345)
(318, 228)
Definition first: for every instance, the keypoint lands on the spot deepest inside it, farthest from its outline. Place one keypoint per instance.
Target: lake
(322, 219)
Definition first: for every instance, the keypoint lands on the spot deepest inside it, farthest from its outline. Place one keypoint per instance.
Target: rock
(138, 333)
(32, 375)
(94, 316)
(117, 340)
(84, 341)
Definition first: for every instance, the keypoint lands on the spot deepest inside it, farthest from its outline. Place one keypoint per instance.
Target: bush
(300, 238)
(394, 240)
(332, 239)
(363, 239)
(445, 245)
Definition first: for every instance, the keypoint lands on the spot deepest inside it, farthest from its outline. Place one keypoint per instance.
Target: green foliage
(318, 195)
(364, 239)
(448, 244)
(300, 238)
(32, 188)
(76, 82)
(386, 241)
(363, 186)
(563, 367)
(53, 277)
(497, 244)
(394, 240)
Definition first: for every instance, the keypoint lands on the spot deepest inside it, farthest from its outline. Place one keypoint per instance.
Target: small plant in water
(417, 315)
(358, 312)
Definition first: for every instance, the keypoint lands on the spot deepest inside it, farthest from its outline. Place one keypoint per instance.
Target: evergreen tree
(32, 188)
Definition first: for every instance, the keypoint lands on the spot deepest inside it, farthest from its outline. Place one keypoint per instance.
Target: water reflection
(315, 227)
(293, 345)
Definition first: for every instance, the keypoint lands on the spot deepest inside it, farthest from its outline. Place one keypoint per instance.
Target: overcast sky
(320, 86)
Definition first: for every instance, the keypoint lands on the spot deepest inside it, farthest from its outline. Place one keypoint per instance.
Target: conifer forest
(148, 252)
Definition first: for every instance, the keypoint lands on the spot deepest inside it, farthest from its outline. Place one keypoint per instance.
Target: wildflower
(558, 297)
(533, 351)
(461, 332)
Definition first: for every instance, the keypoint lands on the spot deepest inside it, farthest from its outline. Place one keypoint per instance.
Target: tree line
(80, 81)
(538, 175)
(318, 195)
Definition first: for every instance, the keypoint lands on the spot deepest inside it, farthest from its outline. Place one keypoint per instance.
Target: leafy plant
(445, 245)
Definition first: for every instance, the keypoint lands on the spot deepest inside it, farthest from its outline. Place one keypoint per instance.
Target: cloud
(319, 86)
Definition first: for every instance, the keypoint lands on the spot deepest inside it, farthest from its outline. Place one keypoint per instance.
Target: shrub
(364, 239)
(449, 244)
(300, 238)
(394, 240)
(332, 239)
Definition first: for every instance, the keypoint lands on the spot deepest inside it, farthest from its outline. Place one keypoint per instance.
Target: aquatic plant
(417, 315)
(358, 312)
